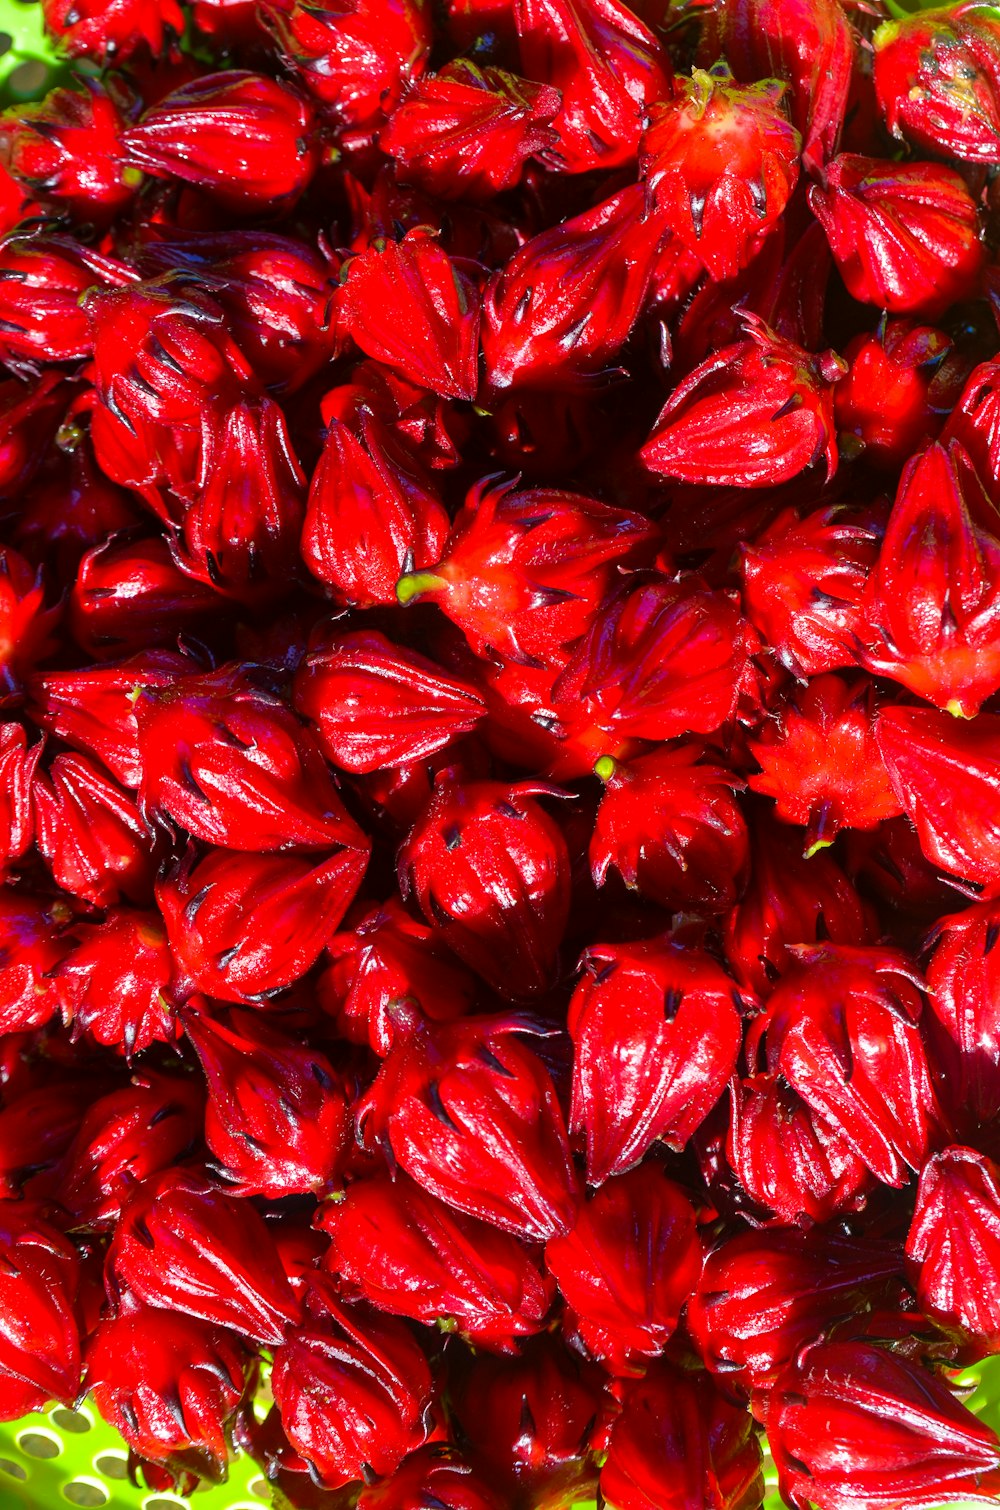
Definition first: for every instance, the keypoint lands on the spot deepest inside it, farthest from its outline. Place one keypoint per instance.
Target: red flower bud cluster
(500, 748)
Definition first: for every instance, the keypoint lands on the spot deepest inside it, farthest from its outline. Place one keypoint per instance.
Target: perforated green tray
(63, 1457)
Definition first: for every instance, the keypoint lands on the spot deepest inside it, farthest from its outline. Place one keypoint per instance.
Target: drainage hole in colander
(260, 1488)
(160, 1502)
(71, 1420)
(40, 1444)
(112, 1465)
(86, 1492)
(13, 1470)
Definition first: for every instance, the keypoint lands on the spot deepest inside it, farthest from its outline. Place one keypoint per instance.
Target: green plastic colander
(61, 1458)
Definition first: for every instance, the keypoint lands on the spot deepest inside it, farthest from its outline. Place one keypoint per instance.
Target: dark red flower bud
(858, 1424)
(437, 1476)
(905, 236)
(656, 1029)
(428, 426)
(106, 29)
(679, 1443)
(25, 624)
(235, 535)
(276, 1120)
(747, 1315)
(532, 1423)
(672, 828)
(182, 1246)
(353, 1388)
(354, 56)
(899, 386)
(791, 1161)
(820, 762)
(930, 756)
(248, 140)
(116, 981)
(790, 900)
(93, 710)
(406, 1252)
(754, 414)
(372, 513)
(524, 573)
(165, 366)
(32, 943)
(804, 584)
(162, 356)
(37, 1126)
(937, 78)
(130, 595)
(491, 870)
(668, 657)
(374, 704)
(168, 1383)
(963, 991)
(933, 602)
(566, 302)
(628, 1266)
(43, 279)
(608, 66)
(974, 422)
(231, 763)
(473, 1116)
(39, 1332)
(386, 959)
(953, 1238)
(408, 304)
(807, 42)
(843, 1029)
(466, 132)
(244, 926)
(278, 293)
(90, 834)
(124, 1138)
(67, 149)
(17, 769)
(720, 161)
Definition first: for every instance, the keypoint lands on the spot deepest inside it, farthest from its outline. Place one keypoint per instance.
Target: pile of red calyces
(500, 672)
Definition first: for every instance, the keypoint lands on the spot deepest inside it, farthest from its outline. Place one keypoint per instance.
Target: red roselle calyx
(490, 869)
(183, 1246)
(406, 1252)
(627, 1266)
(276, 1120)
(353, 1388)
(656, 1029)
(821, 762)
(524, 573)
(472, 1114)
(40, 1354)
(242, 927)
(386, 960)
(168, 1383)
(891, 1409)
(754, 414)
(670, 824)
(720, 162)
(677, 1429)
